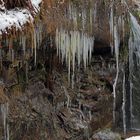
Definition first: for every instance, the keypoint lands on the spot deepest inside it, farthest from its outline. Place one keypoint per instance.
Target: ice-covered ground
(16, 17)
(134, 138)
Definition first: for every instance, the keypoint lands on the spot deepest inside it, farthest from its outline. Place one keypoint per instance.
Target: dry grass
(10, 4)
(3, 97)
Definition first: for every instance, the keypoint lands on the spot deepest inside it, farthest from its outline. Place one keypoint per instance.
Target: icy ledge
(134, 138)
(17, 18)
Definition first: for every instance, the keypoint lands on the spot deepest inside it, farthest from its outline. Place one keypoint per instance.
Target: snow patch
(14, 18)
(17, 17)
(36, 3)
(134, 138)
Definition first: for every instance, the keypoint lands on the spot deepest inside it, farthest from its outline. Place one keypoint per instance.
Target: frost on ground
(17, 17)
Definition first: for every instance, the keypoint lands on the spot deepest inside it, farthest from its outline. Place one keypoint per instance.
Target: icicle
(4, 111)
(123, 28)
(95, 13)
(90, 115)
(84, 50)
(79, 105)
(0, 51)
(69, 65)
(38, 29)
(91, 17)
(26, 71)
(7, 42)
(83, 19)
(73, 42)
(0, 57)
(13, 54)
(70, 11)
(124, 105)
(11, 50)
(57, 40)
(34, 45)
(91, 48)
(75, 17)
(116, 45)
(111, 23)
(78, 49)
(23, 43)
(130, 74)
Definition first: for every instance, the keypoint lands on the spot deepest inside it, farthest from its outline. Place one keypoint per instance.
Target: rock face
(37, 99)
(106, 135)
(46, 107)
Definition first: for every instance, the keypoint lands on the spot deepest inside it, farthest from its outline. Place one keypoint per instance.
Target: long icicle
(124, 104)
(34, 45)
(4, 110)
(116, 45)
(111, 23)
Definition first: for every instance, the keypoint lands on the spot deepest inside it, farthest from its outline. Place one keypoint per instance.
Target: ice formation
(124, 104)
(116, 46)
(74, 45)
(134, 60)
(4, 112)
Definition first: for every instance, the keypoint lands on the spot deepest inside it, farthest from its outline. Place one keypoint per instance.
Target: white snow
(17, 17)
(36, 3)
(14, 18)
(134, 138)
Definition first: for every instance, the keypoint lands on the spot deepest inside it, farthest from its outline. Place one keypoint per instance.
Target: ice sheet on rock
(134, 63)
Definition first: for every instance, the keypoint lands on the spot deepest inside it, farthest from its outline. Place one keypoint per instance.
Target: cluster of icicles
(134, 61)
(76, 46)
(36, 39)
(117, 29)
(72, 46)
(83, 17)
